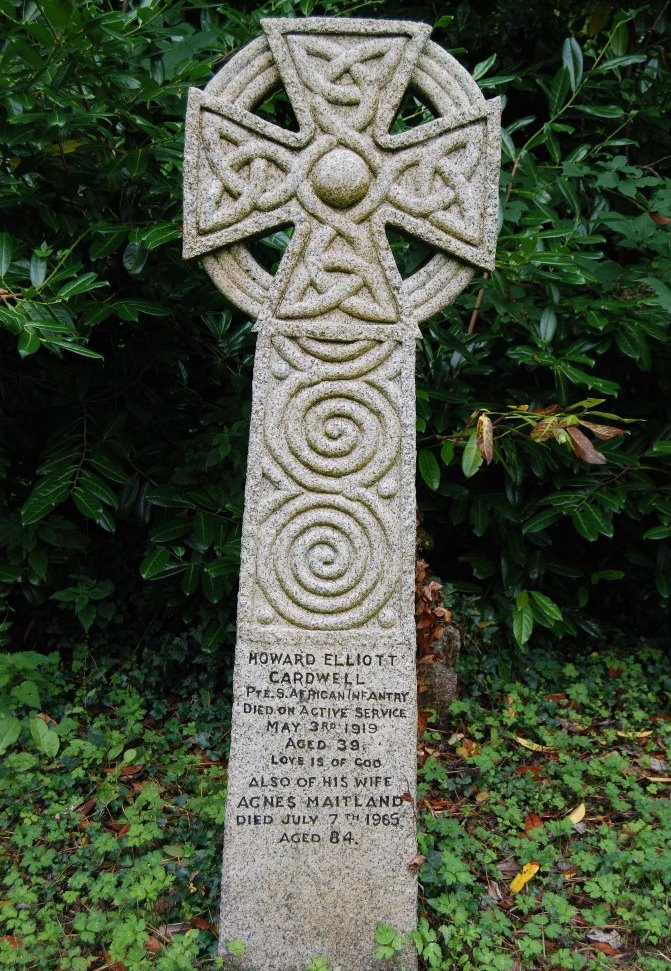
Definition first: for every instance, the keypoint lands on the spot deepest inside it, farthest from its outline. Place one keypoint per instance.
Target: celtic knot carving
(343, 177)
(345, 73)
(252, 174)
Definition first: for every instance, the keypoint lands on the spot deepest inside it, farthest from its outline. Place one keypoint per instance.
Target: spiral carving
(326, 432)
(327, 562)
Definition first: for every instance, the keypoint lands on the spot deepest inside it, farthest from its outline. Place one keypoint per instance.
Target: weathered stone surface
(320, 823)
(440, 678)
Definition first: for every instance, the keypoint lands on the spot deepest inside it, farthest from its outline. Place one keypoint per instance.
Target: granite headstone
(320, 822)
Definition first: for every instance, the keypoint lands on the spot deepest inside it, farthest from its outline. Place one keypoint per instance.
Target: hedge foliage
(126, 378)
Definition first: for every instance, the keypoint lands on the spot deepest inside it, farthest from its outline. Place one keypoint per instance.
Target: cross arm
(240, 177)
(441, 184)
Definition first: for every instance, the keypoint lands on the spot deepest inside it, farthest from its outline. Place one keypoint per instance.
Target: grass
(554, 771)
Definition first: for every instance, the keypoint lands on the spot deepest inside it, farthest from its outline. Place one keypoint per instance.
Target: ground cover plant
(126, 378)
(544, 817)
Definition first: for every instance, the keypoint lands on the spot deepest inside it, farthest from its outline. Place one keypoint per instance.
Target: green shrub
(126, 378)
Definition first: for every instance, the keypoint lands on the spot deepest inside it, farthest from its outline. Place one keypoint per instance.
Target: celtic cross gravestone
(320, 823)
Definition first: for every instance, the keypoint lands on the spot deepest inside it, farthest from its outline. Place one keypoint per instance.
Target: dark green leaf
(100, 489)
(213, 586)
(45, 738)
(10, 729)
(447, 452)
(77, 349)
(46, 495)
(471, 459)
(548, 325)
(6, 249)
(541, 520)
(572, 60)
(625, 60)
(601, 111)
(154, 563)
(161, 234)
(658, 532)
(134, 258)
(26, 694)
(213, 637)
(590, 522)
(523, 623)
(559, 90)
(190, 578)
(483, 67)
(546, 607)
(28, 343)
(38, 269)
(204, 525)
(87, 503)
(81, 284)
(429, 468)
(86, 615)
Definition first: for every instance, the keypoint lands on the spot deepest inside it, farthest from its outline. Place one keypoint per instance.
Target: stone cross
(320, 823)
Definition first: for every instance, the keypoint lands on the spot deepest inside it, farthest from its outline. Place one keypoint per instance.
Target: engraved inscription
(323, 776)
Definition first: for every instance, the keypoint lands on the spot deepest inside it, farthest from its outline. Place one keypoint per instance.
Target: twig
(476, 309)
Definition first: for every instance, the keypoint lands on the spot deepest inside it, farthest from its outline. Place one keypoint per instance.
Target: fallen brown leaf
(535, 770)
(129, 770)
(507, 868)
(532, 822)
(200, 923)
(113, 965)
(605, 948)
(468, 748)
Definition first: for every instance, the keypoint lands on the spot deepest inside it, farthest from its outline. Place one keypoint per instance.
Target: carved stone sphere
(340, 178)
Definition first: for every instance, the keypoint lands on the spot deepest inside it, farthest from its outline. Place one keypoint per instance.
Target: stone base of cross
(320, 824)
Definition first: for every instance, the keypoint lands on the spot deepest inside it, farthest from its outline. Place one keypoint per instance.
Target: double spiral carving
(325, 559)
(325, 562)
